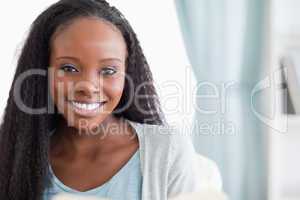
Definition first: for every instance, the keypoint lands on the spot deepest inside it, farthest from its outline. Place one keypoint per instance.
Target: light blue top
(169, 166)
(126, 184)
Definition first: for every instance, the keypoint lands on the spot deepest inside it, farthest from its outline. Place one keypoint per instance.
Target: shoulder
(188, 171)
(159, 136)
(173, 149)
(177, 144)
(165, 136)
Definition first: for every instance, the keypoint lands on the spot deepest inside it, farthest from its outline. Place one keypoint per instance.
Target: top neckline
(105, 185)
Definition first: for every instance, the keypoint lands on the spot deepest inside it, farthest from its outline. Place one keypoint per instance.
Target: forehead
(87, 37)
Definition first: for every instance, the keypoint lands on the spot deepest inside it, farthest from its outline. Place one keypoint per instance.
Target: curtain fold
(224, 41)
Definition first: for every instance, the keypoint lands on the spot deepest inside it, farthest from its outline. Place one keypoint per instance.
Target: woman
(83, 116)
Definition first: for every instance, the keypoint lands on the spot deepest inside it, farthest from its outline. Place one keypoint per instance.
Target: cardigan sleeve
(188, 171)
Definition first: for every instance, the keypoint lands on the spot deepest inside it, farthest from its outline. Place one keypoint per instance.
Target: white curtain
(224, 42)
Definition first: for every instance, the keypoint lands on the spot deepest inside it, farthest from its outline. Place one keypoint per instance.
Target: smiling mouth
(86, 109)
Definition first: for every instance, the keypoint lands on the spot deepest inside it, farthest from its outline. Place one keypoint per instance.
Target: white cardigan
(170, 165)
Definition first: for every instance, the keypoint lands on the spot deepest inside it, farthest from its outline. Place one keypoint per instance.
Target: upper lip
(87, 102)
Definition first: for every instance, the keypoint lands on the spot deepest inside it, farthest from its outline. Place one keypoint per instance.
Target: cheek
(58, 88)
(114, 88)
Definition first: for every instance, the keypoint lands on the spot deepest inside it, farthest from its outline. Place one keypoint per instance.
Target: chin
(90, 125)
(84, 124)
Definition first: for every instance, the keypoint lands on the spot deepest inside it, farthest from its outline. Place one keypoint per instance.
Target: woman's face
(87, 73)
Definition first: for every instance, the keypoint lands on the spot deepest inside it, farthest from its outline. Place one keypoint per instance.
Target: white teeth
(86, 106)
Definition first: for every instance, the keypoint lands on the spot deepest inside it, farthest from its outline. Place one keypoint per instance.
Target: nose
(86, 88)
(88, 85)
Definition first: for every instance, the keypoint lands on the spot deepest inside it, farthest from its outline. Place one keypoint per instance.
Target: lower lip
(84, 112)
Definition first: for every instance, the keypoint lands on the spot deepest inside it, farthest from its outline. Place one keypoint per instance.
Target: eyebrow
(102, 60)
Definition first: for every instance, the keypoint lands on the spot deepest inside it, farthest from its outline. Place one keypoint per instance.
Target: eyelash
(67, 67)
(113, 71)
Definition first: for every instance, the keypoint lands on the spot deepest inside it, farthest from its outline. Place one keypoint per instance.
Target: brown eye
(108, 71)
(69, 68)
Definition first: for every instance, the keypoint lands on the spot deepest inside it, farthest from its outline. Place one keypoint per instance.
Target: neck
(114, 133)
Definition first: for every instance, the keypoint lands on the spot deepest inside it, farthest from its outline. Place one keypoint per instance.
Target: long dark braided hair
(25, 137)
